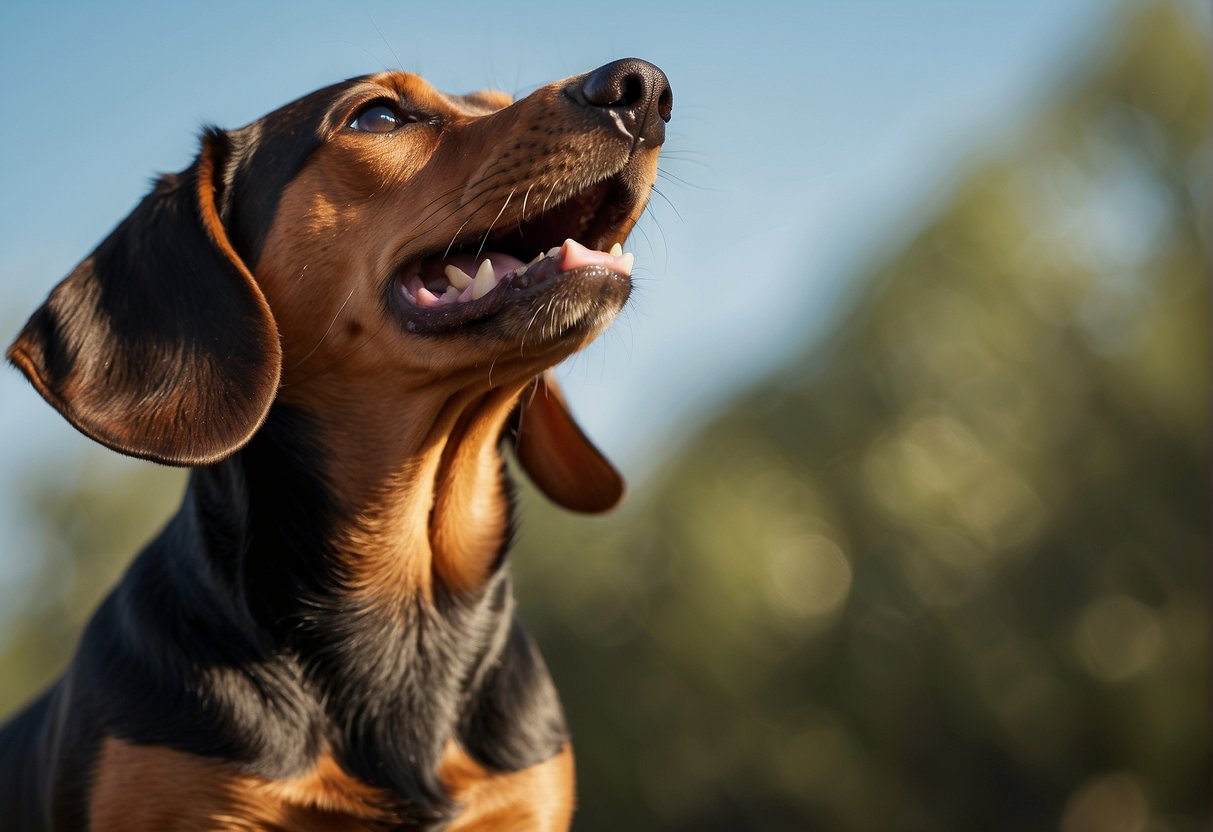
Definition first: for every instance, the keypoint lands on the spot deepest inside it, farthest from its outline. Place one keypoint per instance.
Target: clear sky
(803, 136)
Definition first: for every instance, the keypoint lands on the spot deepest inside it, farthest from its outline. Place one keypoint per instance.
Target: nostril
(665, 104)
(632, 93)
(608, 87)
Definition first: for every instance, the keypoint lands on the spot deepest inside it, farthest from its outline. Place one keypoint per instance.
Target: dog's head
(376, 229)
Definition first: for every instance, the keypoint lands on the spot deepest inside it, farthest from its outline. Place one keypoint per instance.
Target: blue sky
(804, 137)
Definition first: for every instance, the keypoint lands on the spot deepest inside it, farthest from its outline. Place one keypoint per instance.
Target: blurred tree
(92, 518)
(946, 573)
(950, 571)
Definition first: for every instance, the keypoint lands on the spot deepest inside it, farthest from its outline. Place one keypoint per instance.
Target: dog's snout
(634, 93)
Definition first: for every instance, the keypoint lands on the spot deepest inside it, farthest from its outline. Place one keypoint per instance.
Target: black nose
(633, 93)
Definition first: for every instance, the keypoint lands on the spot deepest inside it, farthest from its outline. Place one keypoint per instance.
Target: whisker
(522, 217)
(551, 191)
(657, 191)
(449, 245)
(665, 243)
(494, 222)
(465, 188)
(665, 174)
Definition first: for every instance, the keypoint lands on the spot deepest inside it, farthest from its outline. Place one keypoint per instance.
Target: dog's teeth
(485, 280)
(617, 250)
(628, 260)
(451, 294)
(538, 257)
(458, 277)
(552, 252)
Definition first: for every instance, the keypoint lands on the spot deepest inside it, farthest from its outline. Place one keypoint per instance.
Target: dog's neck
(365, 563)
(418, 483)
(407, 498)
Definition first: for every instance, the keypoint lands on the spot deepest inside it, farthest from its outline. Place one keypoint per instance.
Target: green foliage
(949, 572)
(89, 532)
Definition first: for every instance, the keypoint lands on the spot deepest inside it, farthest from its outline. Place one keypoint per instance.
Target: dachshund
(339, 317)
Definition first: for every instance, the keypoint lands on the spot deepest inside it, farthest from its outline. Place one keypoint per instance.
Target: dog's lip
(426, 311)
(599, 216)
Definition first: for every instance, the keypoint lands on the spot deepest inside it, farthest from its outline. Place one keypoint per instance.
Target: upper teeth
(485, 281)
(457, 276)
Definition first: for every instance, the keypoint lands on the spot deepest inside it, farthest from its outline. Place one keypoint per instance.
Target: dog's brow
(481, 102)
(420, 93)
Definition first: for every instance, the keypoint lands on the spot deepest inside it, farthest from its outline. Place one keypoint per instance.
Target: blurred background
(913, 394)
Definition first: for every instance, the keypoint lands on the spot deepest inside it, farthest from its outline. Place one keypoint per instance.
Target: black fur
(265, 156)
(232, 636)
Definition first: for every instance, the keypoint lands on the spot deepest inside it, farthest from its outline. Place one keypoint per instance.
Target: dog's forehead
(416, 90)
(326, 107)
(265, 155)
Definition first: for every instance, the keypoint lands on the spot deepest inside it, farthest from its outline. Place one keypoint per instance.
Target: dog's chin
(571, 308)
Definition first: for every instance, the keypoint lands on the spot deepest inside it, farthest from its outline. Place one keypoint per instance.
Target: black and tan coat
(323, 636)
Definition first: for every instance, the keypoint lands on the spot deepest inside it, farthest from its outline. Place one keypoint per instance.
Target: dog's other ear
(558, 456)
(160, 344)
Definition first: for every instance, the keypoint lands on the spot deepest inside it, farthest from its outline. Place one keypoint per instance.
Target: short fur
(324, 635)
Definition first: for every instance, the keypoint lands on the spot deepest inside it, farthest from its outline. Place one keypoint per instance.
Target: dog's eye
(378, 118)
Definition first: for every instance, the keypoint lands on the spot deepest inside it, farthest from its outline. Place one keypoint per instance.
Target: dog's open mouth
(579, 239)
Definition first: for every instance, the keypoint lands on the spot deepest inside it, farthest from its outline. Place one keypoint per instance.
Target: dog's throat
(427, 509)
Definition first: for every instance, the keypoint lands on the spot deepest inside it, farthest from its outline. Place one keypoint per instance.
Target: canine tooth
(617, 250)
(628, 260)
(458, 277)
(552, 252)
(485, 280)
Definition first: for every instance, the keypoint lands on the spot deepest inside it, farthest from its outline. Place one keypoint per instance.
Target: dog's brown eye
(378, 119)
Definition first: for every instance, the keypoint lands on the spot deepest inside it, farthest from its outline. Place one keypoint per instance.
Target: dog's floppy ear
(160, 344)
(558, 456)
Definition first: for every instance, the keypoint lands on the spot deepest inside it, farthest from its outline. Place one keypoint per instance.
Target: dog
(338, 317)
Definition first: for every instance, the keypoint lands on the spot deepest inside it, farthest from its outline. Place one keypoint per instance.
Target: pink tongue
(575, 255)
(503, 264)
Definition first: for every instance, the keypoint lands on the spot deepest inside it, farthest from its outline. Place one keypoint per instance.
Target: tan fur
(414, 458)
(178, 791)
(538, 799)
(140, 788)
